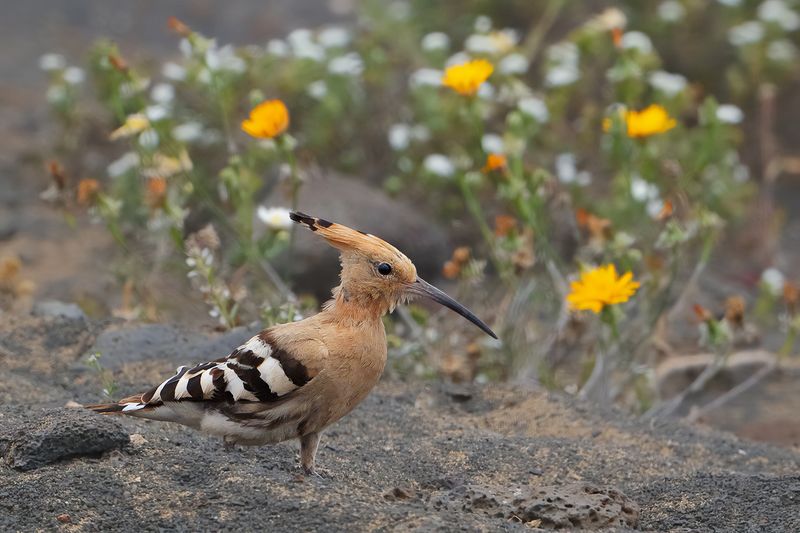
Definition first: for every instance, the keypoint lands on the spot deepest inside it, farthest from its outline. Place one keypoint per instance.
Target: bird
(293, 380)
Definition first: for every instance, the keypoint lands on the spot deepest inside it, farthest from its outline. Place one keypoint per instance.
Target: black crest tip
(302, 218)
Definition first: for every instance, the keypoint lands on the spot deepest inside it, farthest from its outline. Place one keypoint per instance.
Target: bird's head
(377, 275)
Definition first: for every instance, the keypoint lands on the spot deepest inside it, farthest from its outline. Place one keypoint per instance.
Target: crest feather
(341, 236)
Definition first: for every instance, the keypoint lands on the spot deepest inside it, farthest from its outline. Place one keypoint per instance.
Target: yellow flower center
(466, 78)
(600, 287)
(267, 120)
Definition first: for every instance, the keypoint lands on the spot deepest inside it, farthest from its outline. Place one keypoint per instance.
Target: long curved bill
(423, 288)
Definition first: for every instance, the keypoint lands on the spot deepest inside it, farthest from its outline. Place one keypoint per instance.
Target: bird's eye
(384, 269)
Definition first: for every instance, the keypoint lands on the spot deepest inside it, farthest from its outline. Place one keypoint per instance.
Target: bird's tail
(106, 408)
(128, 404)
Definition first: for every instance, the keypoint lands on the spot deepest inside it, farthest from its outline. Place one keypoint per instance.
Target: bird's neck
(357, 307)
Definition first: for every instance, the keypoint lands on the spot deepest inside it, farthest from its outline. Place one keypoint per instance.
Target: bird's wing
(262, 370)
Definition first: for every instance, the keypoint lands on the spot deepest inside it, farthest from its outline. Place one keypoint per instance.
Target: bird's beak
(423, 288)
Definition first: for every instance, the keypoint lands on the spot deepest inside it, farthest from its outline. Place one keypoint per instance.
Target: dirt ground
(412, 457)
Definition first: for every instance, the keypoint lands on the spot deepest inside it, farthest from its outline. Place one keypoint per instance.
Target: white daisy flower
(513, 64)
(729, 114)
(426, 77)
(173, 71)
(74, 75)
(439, 165)
(334, 37)
(668, 83)
(492, 144)
(435, 41)
(483, 24)
(50, 62)
(162, 93)
(154, 113)
(777, 12)
(638, 41)
(535, 108)
(148, 139)
(317, 89)
(276, 218)
(278, 48)
(643, 191)
(773, 279)
(347, 65)
(781, 51)
(187, 132)
(126, 162)
(399, 136)
(566, 170)
(749, 32)
(671, 11)
(561, 75)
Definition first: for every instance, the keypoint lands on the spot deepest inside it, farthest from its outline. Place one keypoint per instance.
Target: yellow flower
(600, 287)
(467, 77)
(649, 121)
(267, 120)
(133, 124)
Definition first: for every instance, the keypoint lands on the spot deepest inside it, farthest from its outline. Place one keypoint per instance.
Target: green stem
(295, 185)
(474, 208)
(530, 48)
(609, 318)
(788, 344)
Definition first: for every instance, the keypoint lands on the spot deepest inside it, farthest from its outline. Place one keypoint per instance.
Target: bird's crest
(345, 238)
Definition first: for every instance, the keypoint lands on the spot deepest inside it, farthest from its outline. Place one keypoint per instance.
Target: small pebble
(137, 439)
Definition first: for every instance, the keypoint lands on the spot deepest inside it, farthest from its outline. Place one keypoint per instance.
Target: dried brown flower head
(461, 254)
(734, 311)
(702, 314)
(204, 238)
(156, 192)
(791, 296)
(504, 224)
(87, 191)
(58, 174)
(119, 63)
(451, 270)
(179, 27)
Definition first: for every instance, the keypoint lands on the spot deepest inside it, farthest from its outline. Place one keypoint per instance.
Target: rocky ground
(412, 457)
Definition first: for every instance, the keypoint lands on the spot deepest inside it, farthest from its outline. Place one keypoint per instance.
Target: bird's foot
(319, 473)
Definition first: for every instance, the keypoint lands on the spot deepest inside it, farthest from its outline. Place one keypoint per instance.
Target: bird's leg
(229, 444)
(308, 452)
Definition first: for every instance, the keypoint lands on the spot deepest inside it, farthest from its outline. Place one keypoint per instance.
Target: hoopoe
(293, 380)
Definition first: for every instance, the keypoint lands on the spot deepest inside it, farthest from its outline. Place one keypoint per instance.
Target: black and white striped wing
(257, 371)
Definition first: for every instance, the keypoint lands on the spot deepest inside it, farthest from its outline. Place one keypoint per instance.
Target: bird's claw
(314, 472)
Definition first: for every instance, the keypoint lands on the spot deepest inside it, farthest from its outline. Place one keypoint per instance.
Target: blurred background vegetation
(504, 196)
